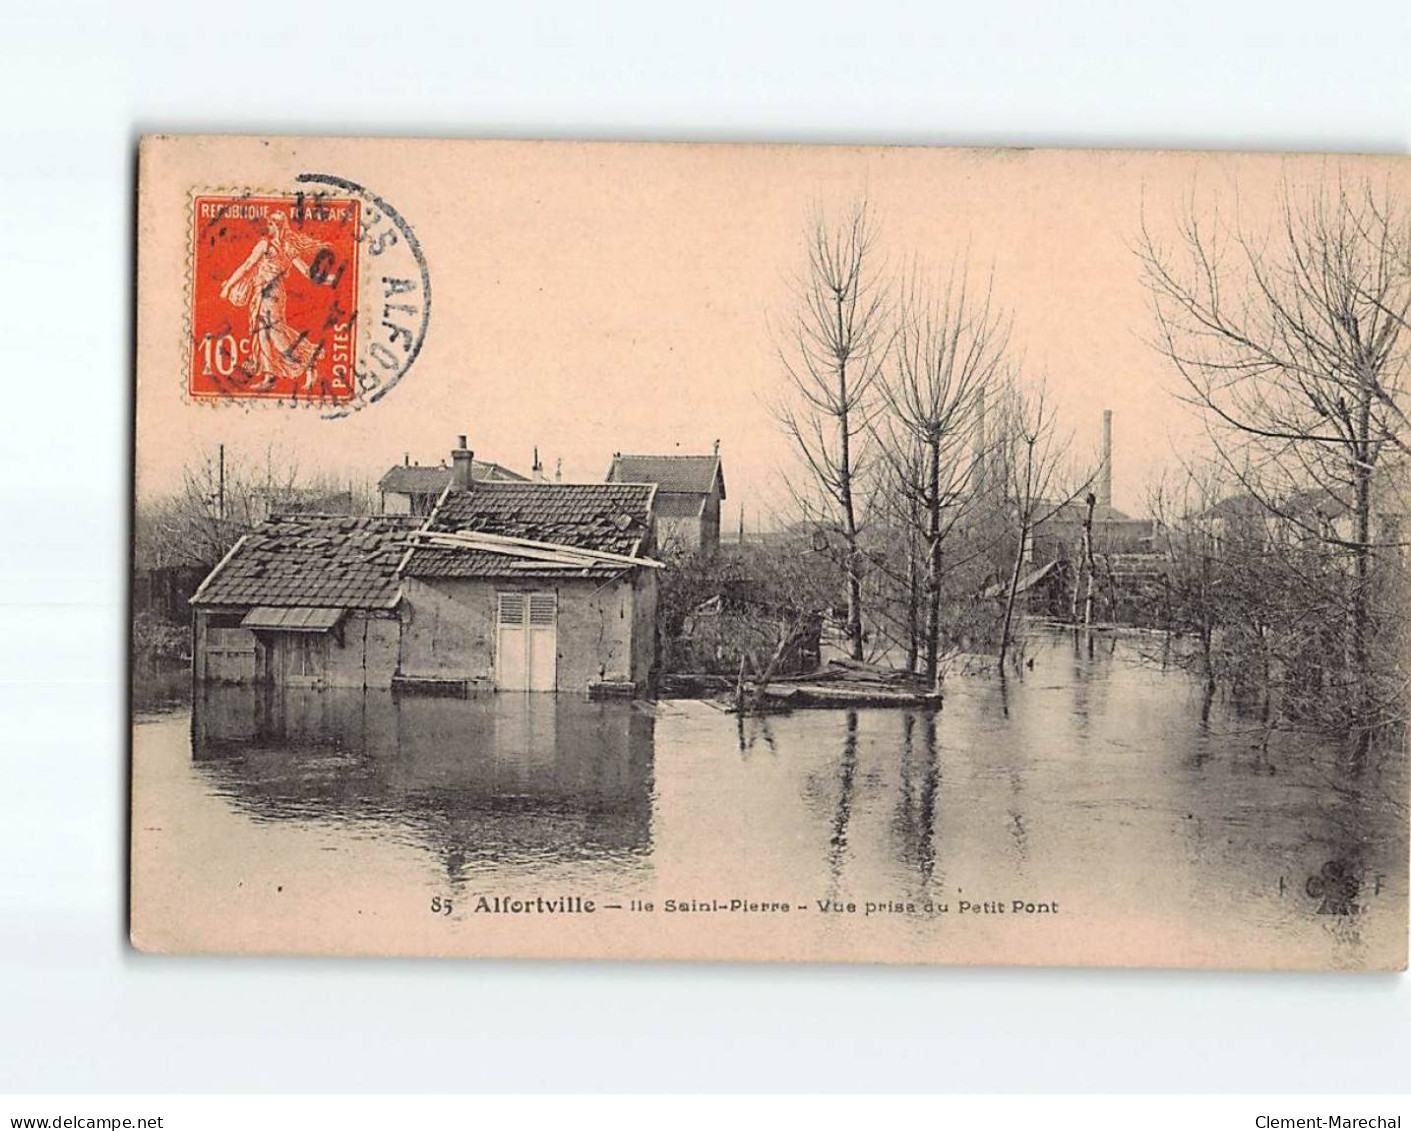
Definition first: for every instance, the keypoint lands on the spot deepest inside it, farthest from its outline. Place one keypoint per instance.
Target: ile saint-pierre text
(581, 905)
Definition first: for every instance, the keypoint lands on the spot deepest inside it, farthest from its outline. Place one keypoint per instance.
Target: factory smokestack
(1104, 475)
(981, 455)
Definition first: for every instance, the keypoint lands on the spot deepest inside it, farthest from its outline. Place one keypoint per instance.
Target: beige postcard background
(595, 298)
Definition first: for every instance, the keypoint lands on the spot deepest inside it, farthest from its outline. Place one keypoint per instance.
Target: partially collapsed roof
(612, 518)
(1027, 581)
(333, 561)
(677, 475)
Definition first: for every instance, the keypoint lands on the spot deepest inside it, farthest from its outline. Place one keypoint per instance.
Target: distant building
(411, 488)
(1113, 532)
(1313, 514)
(506, 585)
(1129, 555)
(690, 490)
(1115, 535)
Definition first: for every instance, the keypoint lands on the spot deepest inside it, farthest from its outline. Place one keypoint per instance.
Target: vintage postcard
(787, 553)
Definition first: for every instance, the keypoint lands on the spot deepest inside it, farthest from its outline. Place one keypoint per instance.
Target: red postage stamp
(274, 297)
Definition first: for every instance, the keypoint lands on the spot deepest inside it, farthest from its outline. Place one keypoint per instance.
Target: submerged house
(513, 586)
(690, 490)
(305, 599)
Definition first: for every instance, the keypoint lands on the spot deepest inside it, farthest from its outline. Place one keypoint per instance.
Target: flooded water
(1094, 811)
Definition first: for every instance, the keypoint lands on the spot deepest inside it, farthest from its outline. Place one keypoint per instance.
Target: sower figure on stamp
(276, 348)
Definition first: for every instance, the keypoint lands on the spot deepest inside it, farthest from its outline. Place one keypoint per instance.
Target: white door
(543, 641)
(526, 656)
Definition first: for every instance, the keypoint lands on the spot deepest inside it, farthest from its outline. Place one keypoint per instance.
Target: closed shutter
(543, 609)
(512, 608)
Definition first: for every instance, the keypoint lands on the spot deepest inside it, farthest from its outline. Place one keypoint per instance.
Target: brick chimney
(1104, 475)
(461, 460)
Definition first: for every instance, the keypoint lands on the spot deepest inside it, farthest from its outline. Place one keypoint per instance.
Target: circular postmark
(318, 298)
(394, 309)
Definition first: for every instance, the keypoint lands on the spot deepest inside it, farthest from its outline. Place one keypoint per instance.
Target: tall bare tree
(1194, 523)
(1292, 339)
(949, 345)
(1038, 481)
(832, 355)
(894, 596)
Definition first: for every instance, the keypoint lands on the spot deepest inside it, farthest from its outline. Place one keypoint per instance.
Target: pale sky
(599, 298)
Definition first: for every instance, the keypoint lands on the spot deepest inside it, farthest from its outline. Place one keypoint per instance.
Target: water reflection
(847, 775)
(496, 781)
(914, 821)
(1119, 790)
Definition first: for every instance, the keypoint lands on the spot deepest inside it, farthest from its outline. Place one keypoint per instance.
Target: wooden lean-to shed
(305, 599)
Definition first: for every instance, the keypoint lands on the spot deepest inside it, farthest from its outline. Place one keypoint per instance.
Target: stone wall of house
(226, 653)
(644, 626)
(448, 630)
(595, 633)
(710, 523)
(368, 655)
(443, 629)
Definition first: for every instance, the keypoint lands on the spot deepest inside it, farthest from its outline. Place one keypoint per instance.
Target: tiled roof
(329, 560)
(416, 479)
(1388, 497)
(1243, 505)
(612, 517)
(1076, 510)
(1389, 492)
(676, 474)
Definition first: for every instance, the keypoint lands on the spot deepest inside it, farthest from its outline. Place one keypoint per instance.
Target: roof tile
(690, 475)
(612, 517)
(314, 560)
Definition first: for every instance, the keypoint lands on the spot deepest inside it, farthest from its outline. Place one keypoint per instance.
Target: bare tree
(949, 345)
(223, 494)
(753, 610)
(1194, 528)
(1255, 605)
(1292, 341)
(1037, 480)
(895, 540)
(832, 356)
